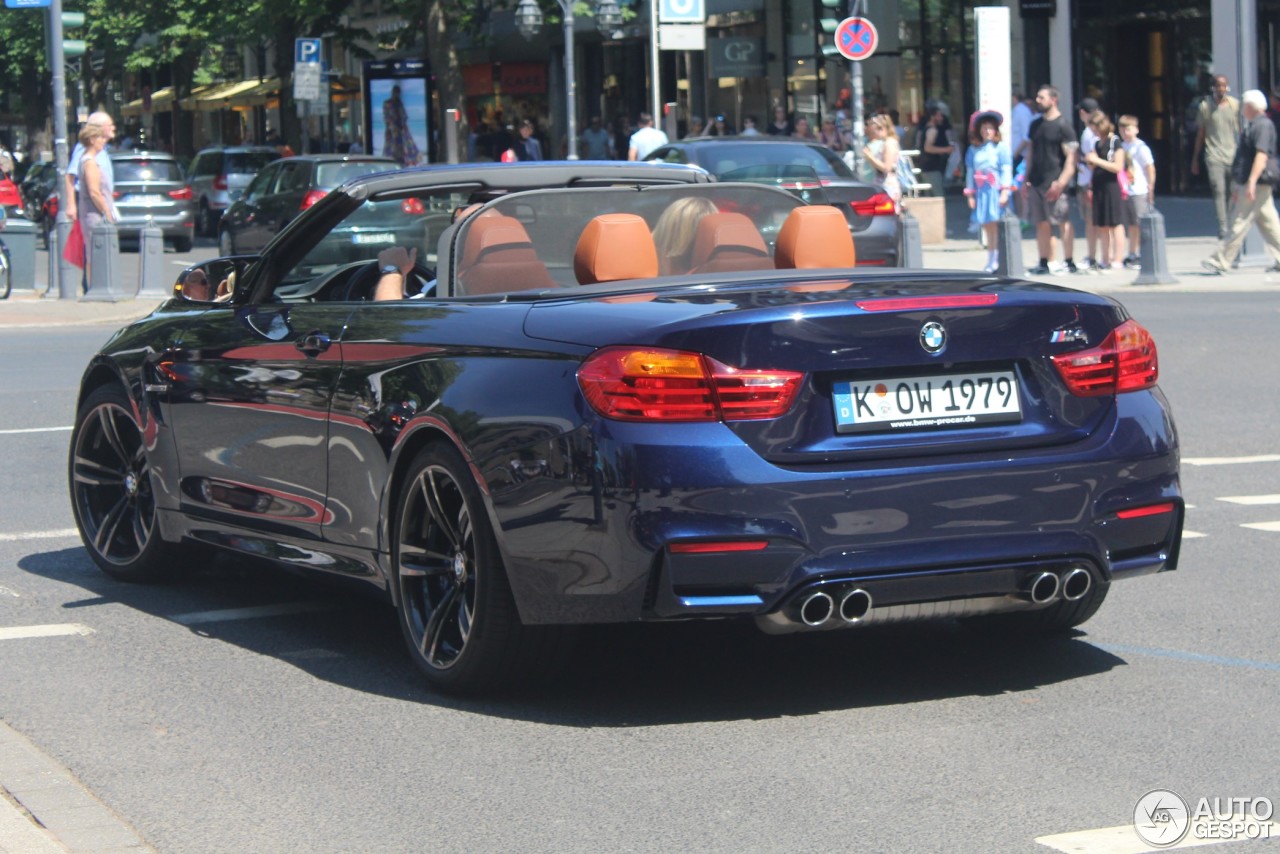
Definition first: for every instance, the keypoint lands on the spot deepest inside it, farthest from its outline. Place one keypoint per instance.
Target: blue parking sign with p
(306, 50)
(682, 11)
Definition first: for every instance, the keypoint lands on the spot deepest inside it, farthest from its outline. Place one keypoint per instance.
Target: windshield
(330, 175)
(145, 170)
(730, 161)
(248, 162)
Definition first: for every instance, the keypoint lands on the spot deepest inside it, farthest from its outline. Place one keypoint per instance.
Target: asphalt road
(303, 727)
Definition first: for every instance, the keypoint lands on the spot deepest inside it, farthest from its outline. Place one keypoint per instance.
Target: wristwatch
(388, 269)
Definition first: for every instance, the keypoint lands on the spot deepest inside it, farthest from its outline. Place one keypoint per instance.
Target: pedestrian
(1051, 167)
(1084, 184)
(695, 127)
(749, 127)
(1254, 174)
(802, 130)
(933, 141)
(1142, 186)
(781, 125)
(104, 121)
(830, 136)
(988, 179)
(1217, 127)
(527, 145)
(622, 131)
(96, 203)
(646, 140)
(881, 153)
(595, 143)
(720, 127)
(1108, 160)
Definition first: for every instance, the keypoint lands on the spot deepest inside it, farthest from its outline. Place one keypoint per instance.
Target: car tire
(456, 609)
(226, 243)
(112, 497)
(182, 244)
(208, 225)
(1060, 617)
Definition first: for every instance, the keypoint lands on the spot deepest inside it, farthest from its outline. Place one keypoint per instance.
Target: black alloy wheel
(456, 609)
(111, 491)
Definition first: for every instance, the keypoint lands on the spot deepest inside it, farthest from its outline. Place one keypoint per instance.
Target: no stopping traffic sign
(856, 38)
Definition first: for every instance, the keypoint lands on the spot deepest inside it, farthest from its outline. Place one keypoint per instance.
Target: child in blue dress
(988, 179)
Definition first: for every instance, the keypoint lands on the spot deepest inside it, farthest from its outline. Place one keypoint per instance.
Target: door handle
(314, 342)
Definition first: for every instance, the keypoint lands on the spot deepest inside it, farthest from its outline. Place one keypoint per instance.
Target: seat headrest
(615, 246)
(814, 236)
(727, 242)
(488, 233)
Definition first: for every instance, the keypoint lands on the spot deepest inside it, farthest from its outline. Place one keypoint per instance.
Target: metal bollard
(104, 252)
(1010, 262)
(910, 253)
(70, 277)
(1155, 261)
(151, 284)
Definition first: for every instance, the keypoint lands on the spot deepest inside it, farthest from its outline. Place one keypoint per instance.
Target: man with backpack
(1254, 174)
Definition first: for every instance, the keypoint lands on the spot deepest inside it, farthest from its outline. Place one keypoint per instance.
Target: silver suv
(218, 176)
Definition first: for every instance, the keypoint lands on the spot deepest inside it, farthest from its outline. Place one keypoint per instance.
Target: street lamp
(529, 23)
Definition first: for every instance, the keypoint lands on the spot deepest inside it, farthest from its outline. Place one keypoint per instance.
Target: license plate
(926, 402)
(365, 238)
(141, 199)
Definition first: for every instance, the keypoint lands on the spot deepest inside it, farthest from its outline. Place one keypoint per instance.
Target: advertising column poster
(397, 119)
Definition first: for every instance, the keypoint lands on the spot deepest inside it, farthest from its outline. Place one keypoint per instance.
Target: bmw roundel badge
(933, 337)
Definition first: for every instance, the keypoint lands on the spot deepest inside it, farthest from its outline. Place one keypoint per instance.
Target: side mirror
(212, 281)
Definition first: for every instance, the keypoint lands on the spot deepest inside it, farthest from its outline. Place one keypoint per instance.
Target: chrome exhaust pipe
(1076, 583)
(1043, 588)
(816, 609)
(855, 605)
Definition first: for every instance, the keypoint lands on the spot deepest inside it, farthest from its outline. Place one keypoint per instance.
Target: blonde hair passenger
(674, 233)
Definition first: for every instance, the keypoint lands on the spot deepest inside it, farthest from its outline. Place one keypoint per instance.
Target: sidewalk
(1189, 225)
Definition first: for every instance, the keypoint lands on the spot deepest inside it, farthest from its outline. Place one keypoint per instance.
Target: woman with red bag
(94, 195)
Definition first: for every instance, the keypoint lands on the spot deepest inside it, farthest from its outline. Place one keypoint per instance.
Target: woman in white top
(881, 152)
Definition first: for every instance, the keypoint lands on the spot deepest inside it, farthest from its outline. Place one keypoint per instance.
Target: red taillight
(413, 206)
(220, 182)
(312, 197)
(935, 303)
(1149, 510)
(1125, 361)
(881, 204)
(709, 546)
(675, 385)
(181, 194)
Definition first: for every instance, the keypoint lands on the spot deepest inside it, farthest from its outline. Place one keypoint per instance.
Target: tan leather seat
(615, 246)
(814, 237)
(727, 243)
(498, 256)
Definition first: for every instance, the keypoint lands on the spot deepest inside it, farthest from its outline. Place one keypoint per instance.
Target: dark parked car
(217, 176)
(536, 430)
(150, 187)
(805, 168)
(285, 188)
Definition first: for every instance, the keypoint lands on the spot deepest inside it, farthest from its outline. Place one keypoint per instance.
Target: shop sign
(735, 57)
(1038, 8)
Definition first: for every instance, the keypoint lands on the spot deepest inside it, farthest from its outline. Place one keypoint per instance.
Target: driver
(395, 264)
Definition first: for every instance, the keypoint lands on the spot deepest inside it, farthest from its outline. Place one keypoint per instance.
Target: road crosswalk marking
(16, 431)
(1251, 499)
(51, 630)
(40, 535)
(1263, 526)
(1230, 461)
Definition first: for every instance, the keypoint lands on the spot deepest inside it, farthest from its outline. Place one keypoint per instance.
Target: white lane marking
(40, 535)
(51, 630)
(1191, 535)
(35, 430)
(1230, 461)
(1251, 499)
(250, 613)
(1125, 840)
(1263, 526)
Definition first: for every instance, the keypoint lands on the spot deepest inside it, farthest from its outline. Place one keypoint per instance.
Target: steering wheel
(362, 284)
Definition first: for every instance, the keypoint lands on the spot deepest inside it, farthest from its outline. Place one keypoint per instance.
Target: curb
(44, 810)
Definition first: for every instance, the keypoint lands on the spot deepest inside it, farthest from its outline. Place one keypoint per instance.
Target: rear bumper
(589, 539)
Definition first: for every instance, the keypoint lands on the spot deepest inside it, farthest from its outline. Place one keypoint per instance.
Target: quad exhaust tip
(1076, 583)
(855, 605)
(816, 609)
(1044, 588)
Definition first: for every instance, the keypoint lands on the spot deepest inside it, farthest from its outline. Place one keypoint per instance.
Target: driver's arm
(394, 263)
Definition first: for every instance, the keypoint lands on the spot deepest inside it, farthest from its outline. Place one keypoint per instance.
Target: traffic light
(829, 14)
(72, 48)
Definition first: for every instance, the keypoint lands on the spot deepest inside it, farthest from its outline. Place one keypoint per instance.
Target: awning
(218, 96)
(161, 99)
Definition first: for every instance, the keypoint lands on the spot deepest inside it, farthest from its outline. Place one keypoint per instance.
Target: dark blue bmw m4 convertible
(514, 398)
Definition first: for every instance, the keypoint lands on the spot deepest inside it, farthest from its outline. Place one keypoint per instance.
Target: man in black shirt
(1051, 167)
(1254, 174)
